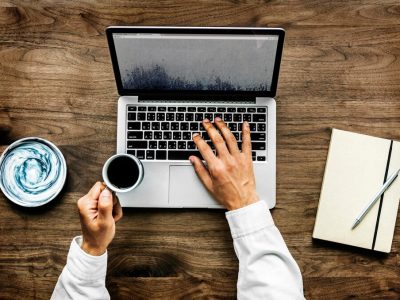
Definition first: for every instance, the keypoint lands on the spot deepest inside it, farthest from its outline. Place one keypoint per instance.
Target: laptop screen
(192, 62)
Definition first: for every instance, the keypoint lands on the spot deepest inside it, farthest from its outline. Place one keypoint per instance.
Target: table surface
(340, 68)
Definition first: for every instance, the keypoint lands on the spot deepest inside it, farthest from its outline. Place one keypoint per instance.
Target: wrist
(92, 250)
(243, 203)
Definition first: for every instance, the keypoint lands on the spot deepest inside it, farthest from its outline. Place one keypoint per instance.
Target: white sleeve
(266, 268)
(83, 277)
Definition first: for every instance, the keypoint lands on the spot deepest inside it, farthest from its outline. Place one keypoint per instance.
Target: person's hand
(229, 176)
(99, 210)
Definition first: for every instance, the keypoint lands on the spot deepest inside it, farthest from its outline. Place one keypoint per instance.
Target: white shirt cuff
(83, 265)
(249, 219)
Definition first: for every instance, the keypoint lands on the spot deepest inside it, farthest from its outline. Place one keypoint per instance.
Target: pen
(385, 186)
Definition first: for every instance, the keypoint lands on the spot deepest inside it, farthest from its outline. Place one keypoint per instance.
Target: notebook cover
(356, 168)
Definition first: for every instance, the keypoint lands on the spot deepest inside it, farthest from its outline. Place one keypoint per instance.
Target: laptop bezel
(184, 94)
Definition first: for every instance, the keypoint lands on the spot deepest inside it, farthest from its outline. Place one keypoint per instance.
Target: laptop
(169, 79)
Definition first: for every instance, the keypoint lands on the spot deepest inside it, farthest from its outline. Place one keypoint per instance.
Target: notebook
(356, 168)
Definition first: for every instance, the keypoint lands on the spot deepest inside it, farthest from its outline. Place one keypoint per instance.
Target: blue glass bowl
(32, 172)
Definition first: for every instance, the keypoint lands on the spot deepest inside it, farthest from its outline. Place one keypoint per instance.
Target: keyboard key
(187, 135)
(160, 116)
(181, 145)
(259, 117)
(171, 144)
(232, 126)
(162, 145)
(133, 125)
(254, 158)
(167, 135)
(135, 135)
(218, 115)
(260, 158)
(131, 108)
(201, 109)
(184, 126)
(251, 109)
(142, 108)
(182, 155)
(153, 144)
(151, 116)
(205, 136)
(150, 154)
(247, 117)
(253, 126)
(261, 126)
(227, 117)
(236, 134)
(174, 126)
(210, 143)
(140, 154)
(170, 117)
(176, 136)
(132, 152)
(171, 108)
(221, 109)
(189, 117)
(208, 116)
(155, 126)
(137, 144)
(241, 109)
(148, 135)
(145, 125)
(181, 108)
(161, 154)
(231, 109)
(201, 127)
(261, 109)
(194, 126)
(191, 145)
(164, 126)
(237, 118)
(198, 117)
(132, 116)
(180, 117)
(162, 108)
(211, 109)
(258, 145)
(257, 136)
(151, 108)
(191, 109)
(240, 125)
(157, 135)
(141, 116)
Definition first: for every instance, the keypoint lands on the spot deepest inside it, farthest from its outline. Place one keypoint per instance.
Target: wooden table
(340, 68)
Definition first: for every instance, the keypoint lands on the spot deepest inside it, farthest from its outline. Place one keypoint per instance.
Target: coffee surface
(123, 172)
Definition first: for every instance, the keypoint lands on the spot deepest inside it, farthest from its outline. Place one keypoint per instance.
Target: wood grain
(340, 68)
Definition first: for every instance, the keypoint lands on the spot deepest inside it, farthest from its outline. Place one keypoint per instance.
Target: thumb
(105, 205)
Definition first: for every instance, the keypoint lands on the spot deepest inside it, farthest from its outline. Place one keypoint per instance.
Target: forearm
(83, 277)
(267, 270)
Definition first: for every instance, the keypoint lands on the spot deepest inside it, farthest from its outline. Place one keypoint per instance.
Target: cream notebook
(356, 168)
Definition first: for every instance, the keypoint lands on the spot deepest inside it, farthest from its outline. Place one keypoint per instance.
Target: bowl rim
(54, 148)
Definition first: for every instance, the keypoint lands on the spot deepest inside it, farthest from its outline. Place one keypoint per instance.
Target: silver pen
(385, 186)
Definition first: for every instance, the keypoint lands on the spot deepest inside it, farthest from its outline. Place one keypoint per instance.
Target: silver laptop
(169, 79)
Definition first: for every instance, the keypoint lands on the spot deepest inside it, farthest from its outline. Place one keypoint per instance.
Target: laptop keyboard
(165, 132)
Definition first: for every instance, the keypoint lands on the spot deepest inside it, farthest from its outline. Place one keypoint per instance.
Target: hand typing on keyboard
(228, 175)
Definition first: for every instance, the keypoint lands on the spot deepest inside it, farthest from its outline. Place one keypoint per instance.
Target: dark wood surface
(340, 68)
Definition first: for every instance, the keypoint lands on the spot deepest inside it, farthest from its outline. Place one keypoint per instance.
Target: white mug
(112, 186)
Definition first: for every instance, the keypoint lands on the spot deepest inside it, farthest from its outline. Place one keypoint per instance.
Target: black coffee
(123, 172)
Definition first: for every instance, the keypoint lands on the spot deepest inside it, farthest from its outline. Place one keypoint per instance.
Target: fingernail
(106, 193)
(191, 159)
(206, 121)
(246, 123)
(217, 119)
(195, 134)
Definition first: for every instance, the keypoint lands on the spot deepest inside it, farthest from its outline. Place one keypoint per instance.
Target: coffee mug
(123, 173)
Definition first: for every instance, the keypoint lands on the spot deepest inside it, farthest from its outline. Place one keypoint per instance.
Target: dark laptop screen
(196, 62)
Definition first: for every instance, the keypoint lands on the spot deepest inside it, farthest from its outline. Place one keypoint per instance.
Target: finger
(117, 209)
(228, 136)
(202, 172)
(246, 140)
(215, 137)
(105, 205)
(204, 149)
(95, 191)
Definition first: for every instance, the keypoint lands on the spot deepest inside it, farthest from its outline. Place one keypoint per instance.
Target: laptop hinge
(203, 101)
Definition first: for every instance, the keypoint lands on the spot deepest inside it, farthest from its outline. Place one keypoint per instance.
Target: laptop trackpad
(186, 189)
